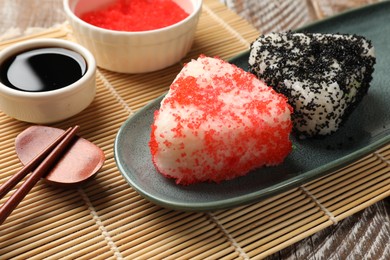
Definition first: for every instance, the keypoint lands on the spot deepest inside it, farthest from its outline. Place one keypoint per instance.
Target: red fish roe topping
(136, 15)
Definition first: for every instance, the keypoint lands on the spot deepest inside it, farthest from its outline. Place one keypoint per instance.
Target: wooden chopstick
(42, 163)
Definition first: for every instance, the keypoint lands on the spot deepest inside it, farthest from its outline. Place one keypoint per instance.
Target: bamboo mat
(107, 219)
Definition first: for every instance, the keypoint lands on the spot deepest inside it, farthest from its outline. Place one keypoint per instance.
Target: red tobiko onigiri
(218, 122)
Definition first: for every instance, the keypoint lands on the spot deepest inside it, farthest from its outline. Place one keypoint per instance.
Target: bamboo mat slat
(107, 219)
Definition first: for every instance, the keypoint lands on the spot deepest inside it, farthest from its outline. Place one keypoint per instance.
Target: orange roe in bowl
(136, 15)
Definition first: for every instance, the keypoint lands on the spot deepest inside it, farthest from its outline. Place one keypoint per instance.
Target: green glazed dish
(367, 129)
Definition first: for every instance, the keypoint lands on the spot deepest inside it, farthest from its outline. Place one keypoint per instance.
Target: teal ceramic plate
(366, 130)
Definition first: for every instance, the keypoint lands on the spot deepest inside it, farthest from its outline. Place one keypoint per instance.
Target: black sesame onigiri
(324, 76)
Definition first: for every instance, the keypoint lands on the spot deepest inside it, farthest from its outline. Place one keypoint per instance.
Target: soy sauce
(42, 69)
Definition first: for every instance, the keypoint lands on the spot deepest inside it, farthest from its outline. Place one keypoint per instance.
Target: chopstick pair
(40, 165)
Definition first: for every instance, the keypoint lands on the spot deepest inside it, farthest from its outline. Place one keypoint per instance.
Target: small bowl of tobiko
(46, 80)
(134, 36)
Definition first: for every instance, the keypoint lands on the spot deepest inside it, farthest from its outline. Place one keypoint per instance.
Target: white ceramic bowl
(134, 52)
(54, 105)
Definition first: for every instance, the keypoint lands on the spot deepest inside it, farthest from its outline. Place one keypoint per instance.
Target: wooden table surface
(365, 235)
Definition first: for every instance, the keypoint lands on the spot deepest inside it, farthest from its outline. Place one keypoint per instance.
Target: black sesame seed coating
(324, 76)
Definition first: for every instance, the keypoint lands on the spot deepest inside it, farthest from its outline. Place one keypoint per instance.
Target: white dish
(48, 106)
(134, 52)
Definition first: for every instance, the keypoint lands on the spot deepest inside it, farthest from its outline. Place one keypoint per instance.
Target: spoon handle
(35, 176)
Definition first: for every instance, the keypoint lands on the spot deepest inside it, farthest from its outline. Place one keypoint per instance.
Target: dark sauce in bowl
(42, 69)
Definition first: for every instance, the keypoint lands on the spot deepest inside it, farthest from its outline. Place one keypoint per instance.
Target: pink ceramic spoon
(80, 162)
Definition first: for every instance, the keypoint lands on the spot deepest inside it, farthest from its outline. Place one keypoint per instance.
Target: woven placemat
(107, 219)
